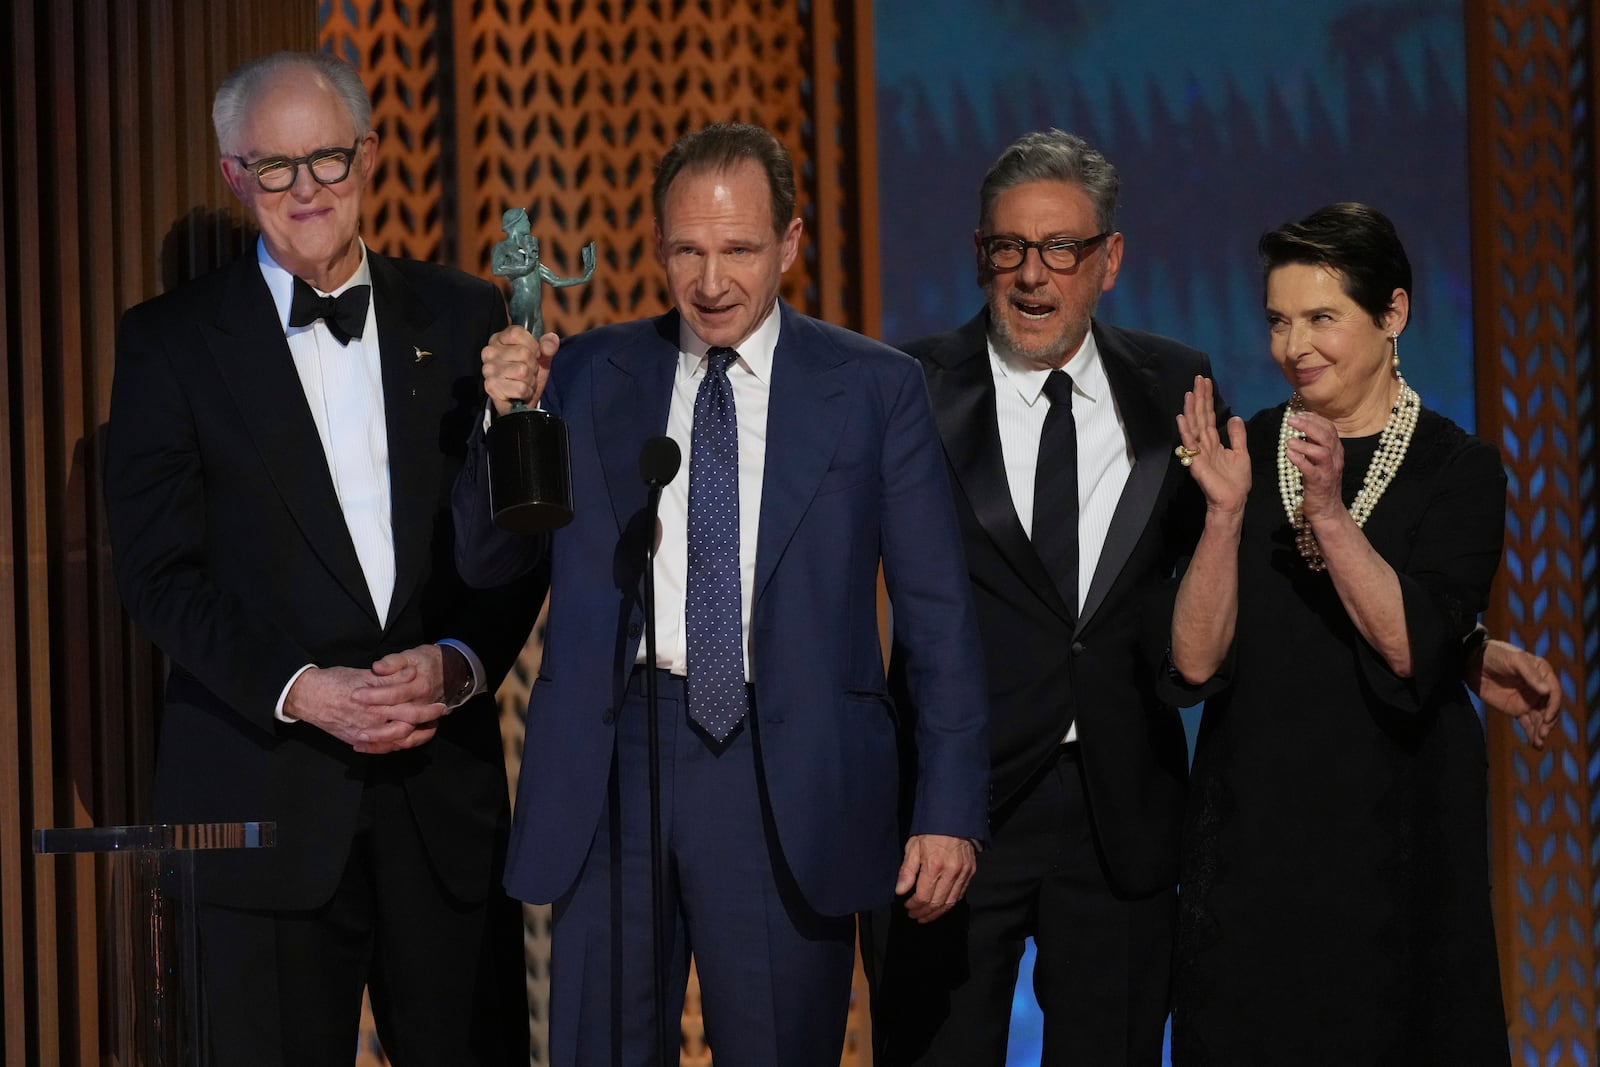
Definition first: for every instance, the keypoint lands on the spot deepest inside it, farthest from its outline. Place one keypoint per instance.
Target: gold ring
(1184, 452)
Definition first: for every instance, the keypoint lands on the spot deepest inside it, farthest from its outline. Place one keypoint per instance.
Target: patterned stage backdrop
(564, 108)
(1534, 214)
(1228, 118)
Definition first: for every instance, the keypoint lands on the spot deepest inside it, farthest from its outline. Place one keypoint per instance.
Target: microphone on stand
(659, 460)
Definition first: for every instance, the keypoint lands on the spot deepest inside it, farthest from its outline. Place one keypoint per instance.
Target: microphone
(659, 461)
(658, 464)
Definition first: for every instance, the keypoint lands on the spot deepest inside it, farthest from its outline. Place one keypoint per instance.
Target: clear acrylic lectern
(148, 945)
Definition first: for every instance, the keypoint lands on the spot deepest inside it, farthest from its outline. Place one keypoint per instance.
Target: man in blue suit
(812, 458)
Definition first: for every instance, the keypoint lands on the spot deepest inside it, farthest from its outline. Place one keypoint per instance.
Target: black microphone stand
(657, 471)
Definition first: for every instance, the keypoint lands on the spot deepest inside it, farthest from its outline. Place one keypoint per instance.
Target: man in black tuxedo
(1074, 511)
(283, 437)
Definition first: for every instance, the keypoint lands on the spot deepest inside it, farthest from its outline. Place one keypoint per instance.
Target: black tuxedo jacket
(1046, 670)
(233, 556)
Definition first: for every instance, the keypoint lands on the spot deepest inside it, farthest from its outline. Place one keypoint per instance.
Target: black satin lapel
(963, 404)
(1150, 436)
(405, 327)
(253, 361)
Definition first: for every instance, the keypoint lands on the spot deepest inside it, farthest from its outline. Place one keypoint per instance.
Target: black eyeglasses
(328, 166)
(1002, 252)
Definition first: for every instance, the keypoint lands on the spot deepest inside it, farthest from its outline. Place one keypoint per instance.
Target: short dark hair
(1054, 156)
(1355, 241)
(723, 146)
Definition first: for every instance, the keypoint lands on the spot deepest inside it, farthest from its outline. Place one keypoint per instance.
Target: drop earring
(1394, 352)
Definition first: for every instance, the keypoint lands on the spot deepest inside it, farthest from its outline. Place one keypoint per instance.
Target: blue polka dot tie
(716, 690)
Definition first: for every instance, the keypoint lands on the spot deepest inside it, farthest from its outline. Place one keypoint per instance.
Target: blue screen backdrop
(1224, 119)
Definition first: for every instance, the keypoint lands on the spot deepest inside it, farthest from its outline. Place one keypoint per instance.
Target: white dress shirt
(344, 390)
(751, 377)
(343, 386)
(1105, 458)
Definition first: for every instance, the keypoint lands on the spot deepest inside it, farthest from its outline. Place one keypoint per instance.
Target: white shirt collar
(1087, 372)
(756, 351)
(280, 283)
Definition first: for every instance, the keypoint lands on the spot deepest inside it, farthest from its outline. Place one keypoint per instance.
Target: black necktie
(345, 314)
(1055, 491)
(714, 610)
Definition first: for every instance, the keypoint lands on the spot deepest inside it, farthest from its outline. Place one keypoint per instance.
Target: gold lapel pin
(422, 353)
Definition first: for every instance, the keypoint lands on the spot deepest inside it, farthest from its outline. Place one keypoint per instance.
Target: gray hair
(232, 102)
(1054, 156)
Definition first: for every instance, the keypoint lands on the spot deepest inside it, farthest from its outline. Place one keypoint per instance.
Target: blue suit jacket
(854, 475)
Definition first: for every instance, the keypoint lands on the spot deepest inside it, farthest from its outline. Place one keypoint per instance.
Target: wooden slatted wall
(110, 191)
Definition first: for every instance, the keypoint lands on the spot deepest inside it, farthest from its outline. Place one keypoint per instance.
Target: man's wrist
(459, 682)
(281, 710)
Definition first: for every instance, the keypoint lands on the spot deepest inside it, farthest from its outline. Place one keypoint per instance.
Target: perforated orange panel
(395, 46)
(1534, 215)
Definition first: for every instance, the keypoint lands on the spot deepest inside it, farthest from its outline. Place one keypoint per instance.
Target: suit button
(609, 717)
(1077, 648)
(634, 629)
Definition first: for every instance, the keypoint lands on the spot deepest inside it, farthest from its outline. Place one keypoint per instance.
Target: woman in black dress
(1334, 906)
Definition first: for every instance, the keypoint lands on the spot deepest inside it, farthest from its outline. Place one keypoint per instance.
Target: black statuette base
(530, 472)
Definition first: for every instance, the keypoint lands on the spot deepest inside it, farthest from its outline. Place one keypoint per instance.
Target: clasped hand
(1318, 454)
(395, 704)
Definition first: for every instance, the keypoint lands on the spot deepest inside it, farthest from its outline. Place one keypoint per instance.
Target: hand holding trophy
(530, 466)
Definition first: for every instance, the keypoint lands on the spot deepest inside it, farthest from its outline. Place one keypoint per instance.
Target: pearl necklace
(1392, 445)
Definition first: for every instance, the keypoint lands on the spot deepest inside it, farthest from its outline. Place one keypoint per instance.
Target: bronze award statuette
(530, 466)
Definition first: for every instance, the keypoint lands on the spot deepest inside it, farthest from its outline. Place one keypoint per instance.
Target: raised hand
(1221, 471)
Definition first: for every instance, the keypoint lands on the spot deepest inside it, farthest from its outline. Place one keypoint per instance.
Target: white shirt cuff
(278, 710)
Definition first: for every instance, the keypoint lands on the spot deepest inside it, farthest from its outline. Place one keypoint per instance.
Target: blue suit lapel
(252, 359)
(632, 393)
(805, 413)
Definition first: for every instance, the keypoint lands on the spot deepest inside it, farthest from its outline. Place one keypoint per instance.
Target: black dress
(1334, 906)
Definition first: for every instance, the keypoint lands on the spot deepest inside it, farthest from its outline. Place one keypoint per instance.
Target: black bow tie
(345, 314)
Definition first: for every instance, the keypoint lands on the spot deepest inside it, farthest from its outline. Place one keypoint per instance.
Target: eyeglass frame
(306, 161)
(1080, 245)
